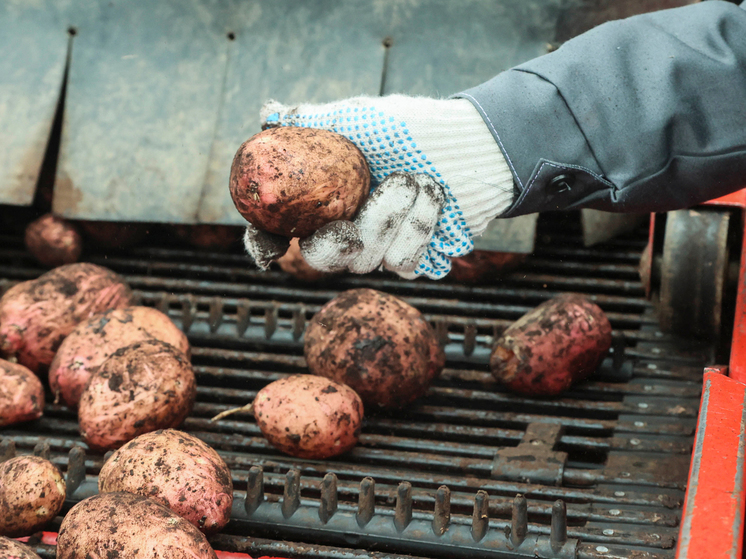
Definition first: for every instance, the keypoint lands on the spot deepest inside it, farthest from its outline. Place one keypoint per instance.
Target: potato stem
(249, 408)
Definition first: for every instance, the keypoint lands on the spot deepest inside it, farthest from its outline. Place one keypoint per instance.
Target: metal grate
(448, 477)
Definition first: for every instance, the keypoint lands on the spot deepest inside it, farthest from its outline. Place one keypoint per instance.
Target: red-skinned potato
(177, 470)
(376, 344)
(292, 262)
(32, 492)
(309, 416)
(290, 181)
(96, 339)
(548, 349)
(483, 265)
(11, 549)
(36, 315)
(53, 241)
(143, 387)
(21, 394)
(124, 526)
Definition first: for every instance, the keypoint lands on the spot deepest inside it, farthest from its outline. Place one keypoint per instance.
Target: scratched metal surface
(33, 43)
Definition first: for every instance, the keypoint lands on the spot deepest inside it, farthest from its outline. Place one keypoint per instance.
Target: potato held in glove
(141, 388)
(177, 470)
(32, 492)
(36, 315)
(124, 526)
(21, 394)
(94, 340)
(558, 343)
(290, 181)
(378, 345)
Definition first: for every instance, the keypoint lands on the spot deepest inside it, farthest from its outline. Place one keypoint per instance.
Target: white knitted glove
(443, 138)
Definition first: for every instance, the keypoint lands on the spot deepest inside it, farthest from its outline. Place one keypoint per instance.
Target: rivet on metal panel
(7, 450)
(188, 312)
(299, 322)
(254, 490)
(618, 345)
(442, 515)
(558, 534)
(366, 501)
(470, 338)
(243, 317)
(328, 505)
(215, 318)
(270, 321)
(75, 469)
(403, 511)
(480, 520)
(42, 449)
(519, 522)
(291, 494)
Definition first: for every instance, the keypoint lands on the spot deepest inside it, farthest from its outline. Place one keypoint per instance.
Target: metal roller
(693, 272)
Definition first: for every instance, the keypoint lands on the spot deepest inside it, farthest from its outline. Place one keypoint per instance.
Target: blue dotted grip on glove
(388, 147)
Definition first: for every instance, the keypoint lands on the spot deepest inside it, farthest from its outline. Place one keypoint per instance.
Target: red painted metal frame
(712, 525)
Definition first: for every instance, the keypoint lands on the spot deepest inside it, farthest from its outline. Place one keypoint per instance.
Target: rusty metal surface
(33, 43)
(623, 438)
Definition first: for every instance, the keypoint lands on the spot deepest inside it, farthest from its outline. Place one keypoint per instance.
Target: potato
(558, 343)
(483, 265)
(36, 315)
(114, 234)
(291, 181)
(309, 416)
(177, 470)
(375, 343)
(53, 241)
(292, 262)
(124, 526)
(94, 340)
(21, 394)
(11, 549)
(210, 237)
(143, 387)
(32, 492)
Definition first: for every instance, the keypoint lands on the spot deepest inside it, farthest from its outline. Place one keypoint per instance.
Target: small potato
(484, 265)
(290, 181)
(53, 241)
(143, 387)
(376, 344)
(94, 340)
(11, 549)
(309, 416)
(177, 470)
(124, 526)
(21, 394)
(32, 492)
(292, 262)
(36, 315)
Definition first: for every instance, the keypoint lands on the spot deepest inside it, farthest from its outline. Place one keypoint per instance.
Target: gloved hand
(438, 179)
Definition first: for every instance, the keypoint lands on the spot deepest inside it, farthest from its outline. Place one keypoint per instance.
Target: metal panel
(441, 47)
(515, 234)
(33, 43)
(142, 101)
(599, 227)
(313, 51)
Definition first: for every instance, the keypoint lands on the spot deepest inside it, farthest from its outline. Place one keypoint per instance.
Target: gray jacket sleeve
(637, 115)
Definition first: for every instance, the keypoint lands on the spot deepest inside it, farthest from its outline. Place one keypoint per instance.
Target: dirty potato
(292, 262)
(143, 387)
(36, 315)
(53, 241)
(548, 349)
(290, 181)
(177, 470)
(123, 526)
(11, 549)
(483, 265)
(309, 416)
(21, 394)
(94, 340)
(32, 492)
(375, 343)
